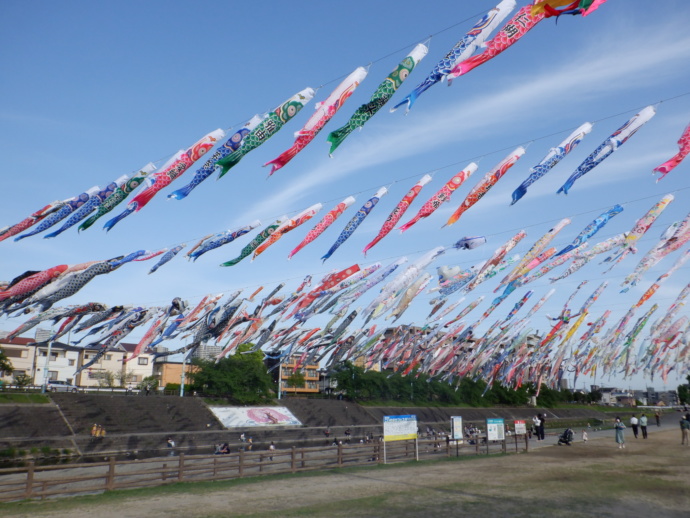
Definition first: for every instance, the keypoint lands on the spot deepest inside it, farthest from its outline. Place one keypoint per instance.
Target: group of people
(222, 449)
(97, 431)
(638, 426)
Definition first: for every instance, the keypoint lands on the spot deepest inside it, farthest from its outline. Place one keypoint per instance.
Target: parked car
(61, 386)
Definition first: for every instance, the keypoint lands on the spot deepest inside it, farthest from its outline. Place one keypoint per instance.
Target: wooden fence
(79, 479)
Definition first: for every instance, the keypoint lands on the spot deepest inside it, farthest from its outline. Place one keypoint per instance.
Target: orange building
(311, 377)
(171, 372)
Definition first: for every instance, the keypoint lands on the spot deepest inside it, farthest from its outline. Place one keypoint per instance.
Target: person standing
(536, 422)
(684, 429)
(542, 426)
(634, 422)
(657, 416)
(643, 426)
(271, 449)
(584, 436)
(620, 432)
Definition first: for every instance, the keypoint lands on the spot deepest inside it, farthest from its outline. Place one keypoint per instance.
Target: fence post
(340, 454)
(110, 478)
(241, 463)
(29, 491)
(164, 473)
(215, 467)
(293, 459)
(526, 443)
(180, 467)
(302, 456)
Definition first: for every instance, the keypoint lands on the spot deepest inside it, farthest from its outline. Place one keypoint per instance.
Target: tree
(149, 382)
(123, 377)
(242, 378)
(106, 379)
(684, 392)
(5, 363)
(296, 380)
(22, 380)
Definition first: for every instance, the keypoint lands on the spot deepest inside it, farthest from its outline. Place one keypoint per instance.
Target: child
(584, 436)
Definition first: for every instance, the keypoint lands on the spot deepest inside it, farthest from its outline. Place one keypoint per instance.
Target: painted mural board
(246, 417)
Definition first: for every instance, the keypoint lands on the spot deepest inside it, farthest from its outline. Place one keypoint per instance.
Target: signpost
(400, 428)
(495, 431)
(456, 432)
(520, 428)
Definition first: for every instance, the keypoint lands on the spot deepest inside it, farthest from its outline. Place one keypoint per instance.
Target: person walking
(634, 423)
(271, 449)
(620, 432)
(657, 416)
(643, 426)
(684, 429)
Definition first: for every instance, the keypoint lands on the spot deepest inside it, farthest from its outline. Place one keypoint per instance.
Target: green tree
(22, 380)
(684, 392)
(5, 363)
(595, 396)
(296, 380)
(242, 378)
(123, 377)
(106, 379)
(149, 382)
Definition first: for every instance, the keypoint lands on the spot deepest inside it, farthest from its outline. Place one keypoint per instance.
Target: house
(139, 368)
(32, 359)
(21, 355)
(61, 365)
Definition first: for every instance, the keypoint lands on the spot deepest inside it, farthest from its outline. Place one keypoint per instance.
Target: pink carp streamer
(322, 225)
(490, 179)
(670, 165)
(399, 211)
(30, 220)
(324, 112)
(443, 195)
(183, 161)
(178, 164)
(286, 227)
(516, 28)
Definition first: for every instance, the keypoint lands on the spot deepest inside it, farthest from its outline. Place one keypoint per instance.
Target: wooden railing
(79, 479)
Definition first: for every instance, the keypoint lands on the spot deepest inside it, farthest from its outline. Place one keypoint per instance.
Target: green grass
(10, 398)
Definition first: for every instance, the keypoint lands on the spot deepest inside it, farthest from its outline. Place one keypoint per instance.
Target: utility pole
(45, 368)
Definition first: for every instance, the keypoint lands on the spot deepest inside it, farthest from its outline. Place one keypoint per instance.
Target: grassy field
(23, 398)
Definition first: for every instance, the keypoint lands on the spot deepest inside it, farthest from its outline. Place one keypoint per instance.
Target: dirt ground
(648, 477)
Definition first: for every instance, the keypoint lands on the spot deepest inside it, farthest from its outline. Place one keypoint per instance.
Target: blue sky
(92, 91)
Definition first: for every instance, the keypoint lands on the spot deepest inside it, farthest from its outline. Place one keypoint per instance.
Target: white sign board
(399, 427)
(456, 428)
(520, 428)
(495, 429)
